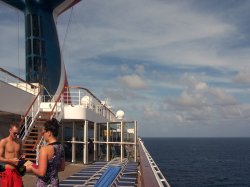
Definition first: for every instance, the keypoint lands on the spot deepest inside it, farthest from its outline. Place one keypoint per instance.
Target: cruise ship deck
(103, 143)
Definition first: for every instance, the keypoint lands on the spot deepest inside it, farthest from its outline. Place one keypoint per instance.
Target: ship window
(28, 25)
(37, 64)
(42, 48)
(36, 47)
(29, 69)
(28, 46)
(41, 26)
(35, 77)
(37, 68)
(35, 25)
(29, 62)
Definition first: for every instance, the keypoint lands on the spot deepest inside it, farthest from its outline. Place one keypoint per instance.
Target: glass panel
(101, 137)
(35, 25)
(102, 132)
(29, 69)
(129, 132)
(36, 47)
(28, 26)
(79, 138)
(37, 64)
(67, 145)
(37, 69)
(28, 46)
(42, 52)
(115, 132)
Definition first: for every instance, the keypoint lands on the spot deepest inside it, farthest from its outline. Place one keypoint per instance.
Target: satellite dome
(85, 100)
(120, 114)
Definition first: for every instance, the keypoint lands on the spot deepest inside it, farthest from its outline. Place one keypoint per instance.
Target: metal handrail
(78, 87)
(30, 107)
(27, 126)
(162, 181)
(57, 100)
(52, 113)
(95, 105)
(32, 86)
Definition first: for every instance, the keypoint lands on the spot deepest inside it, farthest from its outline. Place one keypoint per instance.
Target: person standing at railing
(10, 155)
(51, 157)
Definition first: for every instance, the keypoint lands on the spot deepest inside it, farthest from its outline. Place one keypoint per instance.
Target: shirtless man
(10, 152)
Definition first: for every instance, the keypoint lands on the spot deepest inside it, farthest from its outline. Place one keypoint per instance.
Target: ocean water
(202, 162)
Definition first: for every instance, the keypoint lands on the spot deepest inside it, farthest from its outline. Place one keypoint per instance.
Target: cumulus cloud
(193, 82)
(243, 77)
(199, 104)
(188, 99)
(220, 97)
(133, 81)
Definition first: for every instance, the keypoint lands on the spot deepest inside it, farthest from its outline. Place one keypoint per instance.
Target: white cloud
(133, 81)
(243, 77)
(221, 97)
(191, 100)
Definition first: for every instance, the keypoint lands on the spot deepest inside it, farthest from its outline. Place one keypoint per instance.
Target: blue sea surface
(202, 162)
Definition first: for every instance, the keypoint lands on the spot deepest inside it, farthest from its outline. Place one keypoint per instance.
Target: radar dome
(85, 100)
(120, 114)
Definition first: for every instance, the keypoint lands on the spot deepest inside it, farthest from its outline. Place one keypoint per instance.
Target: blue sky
(181, 68)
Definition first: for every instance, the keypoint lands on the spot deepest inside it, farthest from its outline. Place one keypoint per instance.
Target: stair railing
(16, 81)
(28, 118)
(56, 112)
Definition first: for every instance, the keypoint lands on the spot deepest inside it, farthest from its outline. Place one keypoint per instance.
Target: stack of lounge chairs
(105, 174)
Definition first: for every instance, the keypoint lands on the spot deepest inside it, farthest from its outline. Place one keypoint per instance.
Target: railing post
(85, 149)
(122, 146)
(73, 144)
(135, 139)
(95, 139)
(67, 96)
(108, 146)
(62, 105)
(32, 111)
(25, 126)
(79, 97)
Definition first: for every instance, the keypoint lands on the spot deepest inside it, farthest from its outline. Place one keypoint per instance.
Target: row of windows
(35, 46)
(35, 49)
(34, 26)
(36, 68)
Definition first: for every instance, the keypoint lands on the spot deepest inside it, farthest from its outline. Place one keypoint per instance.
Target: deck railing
(15, 81)
(157, 172)
(75, 95)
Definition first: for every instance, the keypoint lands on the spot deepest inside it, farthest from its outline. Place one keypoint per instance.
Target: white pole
(108, 146)
(85, 149)
(73, 143)
(95, 139)
(122, 150)
(135, 139)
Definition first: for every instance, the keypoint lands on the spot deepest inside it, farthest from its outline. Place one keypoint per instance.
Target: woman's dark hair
(52, 126)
